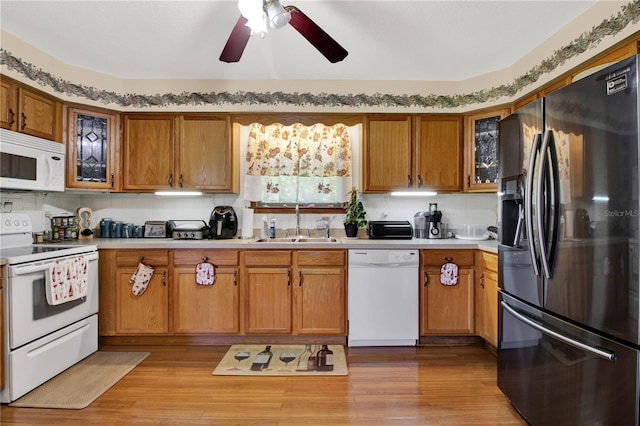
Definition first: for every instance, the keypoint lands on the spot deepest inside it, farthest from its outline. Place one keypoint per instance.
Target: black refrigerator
(569, 339)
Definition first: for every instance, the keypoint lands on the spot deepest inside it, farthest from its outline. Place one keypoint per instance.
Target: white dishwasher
(383, 297)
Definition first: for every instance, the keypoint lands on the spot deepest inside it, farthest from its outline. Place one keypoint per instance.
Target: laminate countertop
(244, 244)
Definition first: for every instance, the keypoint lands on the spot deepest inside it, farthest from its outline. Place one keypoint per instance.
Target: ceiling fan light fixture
(278, 16)
(253, 10)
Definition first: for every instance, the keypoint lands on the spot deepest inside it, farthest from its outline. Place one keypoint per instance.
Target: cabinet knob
(468, 181)
(180, 180)
(419, 181)
(426, 278)
(300, 278)
(410, 181)
(482, 280)
(171, 180)
(113, 179)
(289, 278)
(24, 121)
(235, 277)
(164, 278)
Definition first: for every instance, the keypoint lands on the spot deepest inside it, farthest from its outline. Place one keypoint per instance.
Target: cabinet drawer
(267, 257)
(216, 257)
(133, 257)
(321, 257)
(439, 257)
(489, 262)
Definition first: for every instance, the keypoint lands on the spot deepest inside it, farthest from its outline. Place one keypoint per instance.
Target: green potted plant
(354, 218)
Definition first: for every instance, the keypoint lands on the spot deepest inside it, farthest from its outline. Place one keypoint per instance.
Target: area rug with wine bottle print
(283, 360)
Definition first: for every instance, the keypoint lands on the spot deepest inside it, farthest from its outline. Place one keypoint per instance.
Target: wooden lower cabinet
(267, 283)
(319, 296)
(147, 313)
(205, 309)
(305, 296)
(447, 309)
(487, 298)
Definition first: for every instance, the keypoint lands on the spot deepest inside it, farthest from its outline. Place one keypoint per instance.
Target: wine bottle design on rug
(262, 360)
(325, 359)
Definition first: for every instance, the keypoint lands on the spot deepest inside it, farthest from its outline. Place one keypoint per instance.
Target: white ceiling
(423, 40)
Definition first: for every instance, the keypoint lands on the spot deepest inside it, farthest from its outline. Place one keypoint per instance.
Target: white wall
(138, 208)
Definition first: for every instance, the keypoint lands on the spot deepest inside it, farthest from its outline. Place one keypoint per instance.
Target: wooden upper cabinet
(174, 152)
(386, 153)
(8, 106)
(438, 153)
(411, 152)
(481, 150)
(206, 156)
(148, 152)
(30, 112)
(93, 149)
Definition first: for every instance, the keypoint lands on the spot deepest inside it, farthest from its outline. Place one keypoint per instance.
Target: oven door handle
(600, 352)
(29, 269)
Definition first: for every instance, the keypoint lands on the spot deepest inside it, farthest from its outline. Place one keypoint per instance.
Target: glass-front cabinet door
(481, 150)
(92, 147)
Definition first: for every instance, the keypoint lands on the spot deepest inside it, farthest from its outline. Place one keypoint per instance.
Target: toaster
(223, 223)
(390, 230)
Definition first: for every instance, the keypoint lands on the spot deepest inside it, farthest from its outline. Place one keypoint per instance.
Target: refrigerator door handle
(599, 352)
(541, 205)
(551, 191)
(528, 202)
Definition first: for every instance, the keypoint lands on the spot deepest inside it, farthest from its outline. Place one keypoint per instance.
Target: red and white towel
(66, 280)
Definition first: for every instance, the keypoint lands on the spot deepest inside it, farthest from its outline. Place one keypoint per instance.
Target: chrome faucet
(297, 220)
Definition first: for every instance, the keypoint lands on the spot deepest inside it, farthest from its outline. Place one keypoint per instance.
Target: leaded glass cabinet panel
(92, 148)
(481, 152)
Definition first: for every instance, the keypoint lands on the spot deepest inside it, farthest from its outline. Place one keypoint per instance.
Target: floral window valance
(298, 163)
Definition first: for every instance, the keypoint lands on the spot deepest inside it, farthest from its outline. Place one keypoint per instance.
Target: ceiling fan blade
(238, 40)
(316, 35)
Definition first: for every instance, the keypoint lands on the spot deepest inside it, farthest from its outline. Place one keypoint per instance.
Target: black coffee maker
(223, 223)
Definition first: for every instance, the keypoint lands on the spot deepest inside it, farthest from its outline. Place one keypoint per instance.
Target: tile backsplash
(137, 208)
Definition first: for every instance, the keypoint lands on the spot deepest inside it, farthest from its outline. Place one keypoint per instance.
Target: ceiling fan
(257, 15)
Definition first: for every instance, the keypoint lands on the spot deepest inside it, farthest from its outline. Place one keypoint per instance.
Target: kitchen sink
(298, 240)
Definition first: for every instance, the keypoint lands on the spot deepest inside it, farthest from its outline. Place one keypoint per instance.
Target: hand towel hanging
(449, 272)
(141, 278)
(66, 280)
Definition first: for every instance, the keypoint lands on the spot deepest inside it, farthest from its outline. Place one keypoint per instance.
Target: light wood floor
(386, 386)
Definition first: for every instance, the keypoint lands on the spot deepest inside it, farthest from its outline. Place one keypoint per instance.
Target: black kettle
(223, 222)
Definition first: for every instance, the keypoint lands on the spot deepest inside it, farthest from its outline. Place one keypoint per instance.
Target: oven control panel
(14, 223)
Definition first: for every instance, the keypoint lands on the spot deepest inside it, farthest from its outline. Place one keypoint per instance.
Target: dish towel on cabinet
(66, 280)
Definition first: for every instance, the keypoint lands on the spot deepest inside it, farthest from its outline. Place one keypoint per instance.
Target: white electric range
(42, 339)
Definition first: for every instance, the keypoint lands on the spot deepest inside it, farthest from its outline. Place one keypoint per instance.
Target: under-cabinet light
(413, 193)
(178, 193)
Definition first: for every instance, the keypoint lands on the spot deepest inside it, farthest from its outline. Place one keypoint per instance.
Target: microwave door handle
(602, 353)
(528, 202)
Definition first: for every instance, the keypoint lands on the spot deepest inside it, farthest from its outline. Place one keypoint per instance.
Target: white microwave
(31, 163)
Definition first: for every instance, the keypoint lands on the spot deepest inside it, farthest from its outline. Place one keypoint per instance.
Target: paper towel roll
(246, 229)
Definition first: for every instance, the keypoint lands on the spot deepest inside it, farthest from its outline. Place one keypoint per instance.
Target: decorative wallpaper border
(629, 13)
